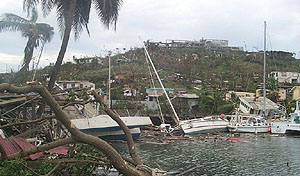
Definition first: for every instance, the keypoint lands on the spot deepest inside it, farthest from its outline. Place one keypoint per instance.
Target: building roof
(155, 94)
(72, 81)
(258, 102)
(188, 96)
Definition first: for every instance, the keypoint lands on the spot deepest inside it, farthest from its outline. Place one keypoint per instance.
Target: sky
(238, 21)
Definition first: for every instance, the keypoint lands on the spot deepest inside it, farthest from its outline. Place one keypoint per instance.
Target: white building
(285, 77)
(231, 94)
(250, 105)
(64, 84)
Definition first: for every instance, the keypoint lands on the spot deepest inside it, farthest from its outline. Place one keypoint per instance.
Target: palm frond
(108, 11)
(46, 31)
(62, 8)
(81, 17)
(9, 17)
(47, 6)
(12, 26)
(28, 5)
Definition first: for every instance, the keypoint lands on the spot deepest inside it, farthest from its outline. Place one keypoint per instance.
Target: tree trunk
(28, 53)
(68, 27)
(126, 130)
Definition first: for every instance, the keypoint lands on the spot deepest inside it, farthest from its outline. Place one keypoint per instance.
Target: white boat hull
(203, 126)
(285, 128)
(106, 128)
(249, 128)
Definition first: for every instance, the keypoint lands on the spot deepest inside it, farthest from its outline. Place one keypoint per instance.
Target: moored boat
(249, 124)
(289, 126)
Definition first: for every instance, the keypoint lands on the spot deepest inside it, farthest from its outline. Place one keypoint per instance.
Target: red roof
(58, 150)
(155, 94)
(14, 145)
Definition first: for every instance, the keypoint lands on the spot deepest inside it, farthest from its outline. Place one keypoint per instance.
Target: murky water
(258, 155)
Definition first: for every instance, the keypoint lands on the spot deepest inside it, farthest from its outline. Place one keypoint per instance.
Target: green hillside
(207, 73)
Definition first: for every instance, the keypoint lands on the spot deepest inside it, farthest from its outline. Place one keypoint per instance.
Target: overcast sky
(238, 21)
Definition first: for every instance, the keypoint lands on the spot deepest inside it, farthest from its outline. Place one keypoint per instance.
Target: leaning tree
(36, 33)
(75, 14)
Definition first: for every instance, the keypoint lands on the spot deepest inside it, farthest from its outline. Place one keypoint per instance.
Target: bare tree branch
(76, 134)
(126, 130)
(27, 122)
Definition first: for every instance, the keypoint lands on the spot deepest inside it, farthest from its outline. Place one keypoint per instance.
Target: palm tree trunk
(68, 27)
(27, 58)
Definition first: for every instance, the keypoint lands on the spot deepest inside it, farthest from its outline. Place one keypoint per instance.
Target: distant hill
(179, 67)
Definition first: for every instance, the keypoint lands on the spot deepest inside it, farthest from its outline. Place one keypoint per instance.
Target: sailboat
(191, 126)
(243, 123)
(104, 126)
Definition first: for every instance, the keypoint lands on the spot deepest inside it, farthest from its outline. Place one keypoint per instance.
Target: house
(231, 94)
(64, 84)
(296, 92)
(285, 77)
(159, 90)
(281, 93)
(187, 99)
(250, 105)
(88, 60)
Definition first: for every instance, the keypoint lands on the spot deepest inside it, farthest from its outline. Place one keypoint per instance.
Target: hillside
(211, 72)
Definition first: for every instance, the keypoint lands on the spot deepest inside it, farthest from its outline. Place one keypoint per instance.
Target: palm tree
(36, 33)
(75, 14)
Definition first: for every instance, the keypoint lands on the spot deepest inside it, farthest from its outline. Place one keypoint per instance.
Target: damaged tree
(76, 136)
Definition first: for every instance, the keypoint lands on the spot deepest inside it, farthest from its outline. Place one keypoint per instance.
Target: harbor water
(254, 155)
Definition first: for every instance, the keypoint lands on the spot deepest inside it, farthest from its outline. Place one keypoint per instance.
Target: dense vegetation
(209, 74)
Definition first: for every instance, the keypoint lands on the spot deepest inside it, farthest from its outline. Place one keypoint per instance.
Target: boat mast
(161, 84)
(265, 26)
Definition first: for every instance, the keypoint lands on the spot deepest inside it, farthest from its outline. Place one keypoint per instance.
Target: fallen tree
(76, 136)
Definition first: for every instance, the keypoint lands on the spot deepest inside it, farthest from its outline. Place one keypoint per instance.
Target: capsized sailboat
(192, 126)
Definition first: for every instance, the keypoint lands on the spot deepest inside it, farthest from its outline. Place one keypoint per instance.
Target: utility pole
(109, 73)
(265, 46)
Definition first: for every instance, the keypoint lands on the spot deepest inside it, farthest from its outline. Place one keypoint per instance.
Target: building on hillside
(64, 84)
(160, 90)
(190, 100)
(296, 92)
(281, 93)
(285, 77)
(123, 79)
(250, 105)
(232, 94)
(280, 54)
(208, 44)
(88, 60)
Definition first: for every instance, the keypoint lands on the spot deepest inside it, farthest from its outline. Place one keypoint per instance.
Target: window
(73, 85)
(64, 85)
(81, 85)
